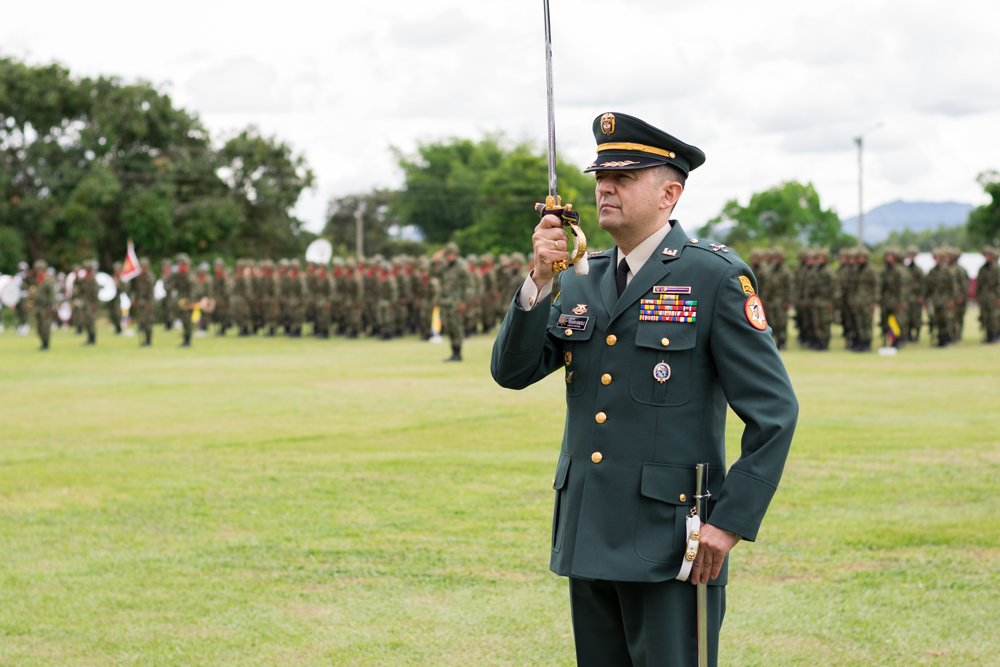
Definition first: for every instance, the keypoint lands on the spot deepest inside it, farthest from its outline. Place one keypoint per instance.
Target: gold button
(553, 481)
(694, 240)
(596, 457)
(683, 496)
(569, 332)
(612, 339)
(601, 418)
(606, 379)
(664, 342)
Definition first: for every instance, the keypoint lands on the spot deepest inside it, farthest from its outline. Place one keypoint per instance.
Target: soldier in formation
(373, 296)
(988, 295)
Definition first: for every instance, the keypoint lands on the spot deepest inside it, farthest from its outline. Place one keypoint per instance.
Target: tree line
(89, 163)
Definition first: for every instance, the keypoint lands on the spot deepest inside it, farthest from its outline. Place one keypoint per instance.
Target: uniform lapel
(609, 291)
(652, 272)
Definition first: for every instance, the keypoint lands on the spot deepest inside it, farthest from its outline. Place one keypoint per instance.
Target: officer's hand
(550, 242)
(712, 549)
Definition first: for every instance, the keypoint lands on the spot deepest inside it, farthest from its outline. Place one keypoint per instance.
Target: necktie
(621, 278)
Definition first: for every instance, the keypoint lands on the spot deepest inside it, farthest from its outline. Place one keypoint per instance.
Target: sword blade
(553, 188)
(701, 505)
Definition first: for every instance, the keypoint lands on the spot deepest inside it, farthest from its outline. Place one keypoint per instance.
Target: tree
(482, 195)
(984, 222)
(790, 211)
(342, 221)
(86, 164)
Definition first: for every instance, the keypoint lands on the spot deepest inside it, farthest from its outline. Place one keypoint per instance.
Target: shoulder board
(603, 254)
(717, 249)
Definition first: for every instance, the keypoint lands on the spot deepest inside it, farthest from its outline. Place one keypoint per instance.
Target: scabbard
(701, 496)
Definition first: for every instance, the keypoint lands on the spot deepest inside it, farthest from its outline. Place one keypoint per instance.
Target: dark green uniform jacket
(620, 515)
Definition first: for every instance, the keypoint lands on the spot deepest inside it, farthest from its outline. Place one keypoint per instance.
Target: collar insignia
(580, 309)
(669, 252)
(717, 248)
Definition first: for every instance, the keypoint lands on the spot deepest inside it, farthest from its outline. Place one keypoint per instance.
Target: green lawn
(304, 502)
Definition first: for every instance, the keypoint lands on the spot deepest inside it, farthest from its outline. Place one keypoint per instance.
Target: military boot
(456, 353)
(187, 341)
(91, 339)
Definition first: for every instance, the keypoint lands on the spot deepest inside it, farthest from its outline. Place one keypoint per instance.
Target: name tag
(572, 322)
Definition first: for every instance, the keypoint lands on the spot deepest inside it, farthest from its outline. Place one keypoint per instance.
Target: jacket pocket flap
(674, 484)
(562, 471)
(666, 336)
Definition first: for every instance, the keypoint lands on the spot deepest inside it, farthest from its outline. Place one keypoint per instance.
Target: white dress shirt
(636, 259)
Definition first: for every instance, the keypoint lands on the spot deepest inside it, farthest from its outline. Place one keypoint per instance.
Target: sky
(770, 91)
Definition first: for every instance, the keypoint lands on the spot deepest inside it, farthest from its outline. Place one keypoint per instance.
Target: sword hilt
(571, 222)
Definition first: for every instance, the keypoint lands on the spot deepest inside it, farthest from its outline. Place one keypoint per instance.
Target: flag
(894, 331)
(131, 268)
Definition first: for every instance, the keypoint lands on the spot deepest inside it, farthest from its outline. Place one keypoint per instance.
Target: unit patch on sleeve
(754, 310)
(747, 287)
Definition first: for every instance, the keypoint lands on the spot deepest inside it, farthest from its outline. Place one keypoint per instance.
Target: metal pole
(360, 229)
(861, 208)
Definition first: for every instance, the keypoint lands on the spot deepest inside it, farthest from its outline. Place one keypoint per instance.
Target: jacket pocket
(559, 511)
(667, 497)
(661, 363)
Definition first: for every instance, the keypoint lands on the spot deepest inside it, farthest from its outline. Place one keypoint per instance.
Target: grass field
(303, 502)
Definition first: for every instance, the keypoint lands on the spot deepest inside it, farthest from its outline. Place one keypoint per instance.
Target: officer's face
(632, 197)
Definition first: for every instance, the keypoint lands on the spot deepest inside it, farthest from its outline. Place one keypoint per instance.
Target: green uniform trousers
(616, 624)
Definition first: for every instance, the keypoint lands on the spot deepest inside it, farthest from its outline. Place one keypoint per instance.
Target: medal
(661, 372)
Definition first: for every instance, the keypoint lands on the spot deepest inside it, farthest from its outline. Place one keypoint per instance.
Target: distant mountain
(898, 215)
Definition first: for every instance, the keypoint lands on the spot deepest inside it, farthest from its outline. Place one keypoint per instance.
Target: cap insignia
(608, 124)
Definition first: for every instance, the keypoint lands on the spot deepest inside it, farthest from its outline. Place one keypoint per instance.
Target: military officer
(663, 332)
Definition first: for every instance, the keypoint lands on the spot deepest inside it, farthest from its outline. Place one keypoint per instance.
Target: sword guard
(571, 221)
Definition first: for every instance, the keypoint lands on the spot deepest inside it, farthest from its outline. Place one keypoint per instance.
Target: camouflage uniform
(803, 311)
(822, 295)
(86, 301)
(846, 275)
(143, 303)
(354, 298)
(183, 285)
(454, 279)
(988, 295)
(862, 300)
(41, 299)
(168, 305)
(940, 290)
(780, 287)
(894, 295)
(115, 305)
(386, 297)
(915, 300)
(323, 299)
(962, 298)
(222, 287)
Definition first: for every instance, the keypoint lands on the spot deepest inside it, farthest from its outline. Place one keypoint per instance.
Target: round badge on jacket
(661, 372)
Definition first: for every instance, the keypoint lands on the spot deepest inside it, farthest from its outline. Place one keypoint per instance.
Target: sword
(553, 202)
(701, 496)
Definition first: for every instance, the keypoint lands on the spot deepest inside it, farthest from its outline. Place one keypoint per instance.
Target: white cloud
(770, 92)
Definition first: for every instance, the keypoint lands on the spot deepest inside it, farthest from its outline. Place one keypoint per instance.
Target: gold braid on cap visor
(627, 146)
